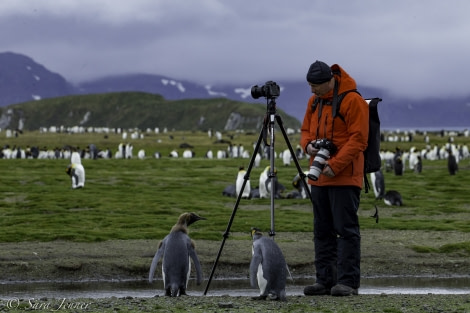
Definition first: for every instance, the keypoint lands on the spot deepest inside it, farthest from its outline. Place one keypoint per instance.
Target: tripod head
(271, 106)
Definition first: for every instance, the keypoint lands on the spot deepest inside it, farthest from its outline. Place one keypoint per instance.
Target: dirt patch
(384, 253)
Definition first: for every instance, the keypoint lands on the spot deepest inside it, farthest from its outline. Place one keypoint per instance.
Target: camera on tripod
(326, 149)
(270, 90)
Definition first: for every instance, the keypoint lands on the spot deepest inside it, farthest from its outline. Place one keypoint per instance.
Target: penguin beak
(254, 230)
(194, 218)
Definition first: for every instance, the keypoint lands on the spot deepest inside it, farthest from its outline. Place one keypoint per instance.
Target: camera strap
(334, 105)
(334, 108)
(319, 102)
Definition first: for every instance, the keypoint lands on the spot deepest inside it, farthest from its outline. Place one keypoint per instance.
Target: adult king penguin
(268, 268)
(76, 171)
(378, 183)
(452, 164)
(297, 183)
(177, 249)
(239, 182)
(263, 178)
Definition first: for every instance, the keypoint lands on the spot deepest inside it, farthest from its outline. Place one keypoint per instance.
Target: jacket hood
(345, 82)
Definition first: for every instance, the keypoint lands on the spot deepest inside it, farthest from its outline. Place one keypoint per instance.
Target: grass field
(141, 199)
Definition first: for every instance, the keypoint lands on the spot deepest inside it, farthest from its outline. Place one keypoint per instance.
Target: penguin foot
(171, 292)
(259, 298)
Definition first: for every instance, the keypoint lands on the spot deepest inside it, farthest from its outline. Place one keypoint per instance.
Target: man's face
(320, 89)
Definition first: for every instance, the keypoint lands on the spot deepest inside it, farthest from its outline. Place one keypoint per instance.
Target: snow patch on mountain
(210, 92)
(171, 82)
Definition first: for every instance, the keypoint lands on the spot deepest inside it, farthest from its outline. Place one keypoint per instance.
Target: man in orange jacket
(335, 141)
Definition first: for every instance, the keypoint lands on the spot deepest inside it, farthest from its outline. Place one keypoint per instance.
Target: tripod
(268, 126)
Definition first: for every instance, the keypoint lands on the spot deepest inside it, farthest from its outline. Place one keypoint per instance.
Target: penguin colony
(176, 250)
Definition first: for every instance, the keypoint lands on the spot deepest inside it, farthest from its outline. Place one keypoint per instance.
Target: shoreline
(384, 253)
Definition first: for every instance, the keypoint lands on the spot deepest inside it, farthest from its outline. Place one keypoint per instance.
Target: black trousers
(337, 236)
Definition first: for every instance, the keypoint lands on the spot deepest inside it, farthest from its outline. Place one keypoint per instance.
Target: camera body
(326, 149)
(270, 90)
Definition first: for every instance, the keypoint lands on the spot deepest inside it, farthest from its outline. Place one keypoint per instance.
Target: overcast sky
(410, 47)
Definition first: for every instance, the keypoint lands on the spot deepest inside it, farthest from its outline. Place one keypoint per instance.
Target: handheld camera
(326, 149)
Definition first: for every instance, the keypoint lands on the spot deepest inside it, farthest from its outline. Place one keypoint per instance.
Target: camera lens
(257, 92)
(318, 164)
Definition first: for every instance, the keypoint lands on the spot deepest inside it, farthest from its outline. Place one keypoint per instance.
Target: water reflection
(232, 287)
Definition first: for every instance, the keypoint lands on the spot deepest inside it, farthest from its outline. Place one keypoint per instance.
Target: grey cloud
(410, 47)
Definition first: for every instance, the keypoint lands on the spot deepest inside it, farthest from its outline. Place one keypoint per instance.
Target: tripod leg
(272, 172)
(294, 157)
(229, 225)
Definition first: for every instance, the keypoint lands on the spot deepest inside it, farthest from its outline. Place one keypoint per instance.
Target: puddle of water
(232, 287)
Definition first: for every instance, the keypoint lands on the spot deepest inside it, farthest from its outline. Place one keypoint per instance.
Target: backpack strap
(336, 101)
(366, 183)
(339, 99)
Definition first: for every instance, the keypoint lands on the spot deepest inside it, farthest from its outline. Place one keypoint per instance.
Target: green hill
(137, 110)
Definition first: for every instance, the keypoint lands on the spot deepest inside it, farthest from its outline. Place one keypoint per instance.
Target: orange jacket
(350, 136)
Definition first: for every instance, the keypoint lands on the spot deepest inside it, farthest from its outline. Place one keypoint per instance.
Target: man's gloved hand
(327, 171)
(311, 150)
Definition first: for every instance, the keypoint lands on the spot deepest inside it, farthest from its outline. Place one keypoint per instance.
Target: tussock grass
(141, 199)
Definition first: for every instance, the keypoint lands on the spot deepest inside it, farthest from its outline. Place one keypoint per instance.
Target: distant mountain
(169, 88)
(22, 79)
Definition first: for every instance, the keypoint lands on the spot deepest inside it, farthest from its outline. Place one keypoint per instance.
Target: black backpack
(372, 159)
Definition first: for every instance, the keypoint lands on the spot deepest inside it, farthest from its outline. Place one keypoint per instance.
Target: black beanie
(319, 73)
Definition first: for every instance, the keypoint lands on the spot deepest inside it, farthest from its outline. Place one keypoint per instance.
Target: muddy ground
(384, 253)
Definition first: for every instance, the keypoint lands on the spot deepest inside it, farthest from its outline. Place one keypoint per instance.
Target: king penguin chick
(177, 249)
(268, 268)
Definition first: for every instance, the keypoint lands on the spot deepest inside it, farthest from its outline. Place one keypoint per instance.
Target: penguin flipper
(254, 264)
(288, 272)
(197, 264)
(156, 258)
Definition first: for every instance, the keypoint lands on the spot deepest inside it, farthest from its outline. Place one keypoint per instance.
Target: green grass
(141, 199)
